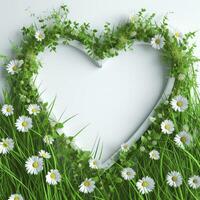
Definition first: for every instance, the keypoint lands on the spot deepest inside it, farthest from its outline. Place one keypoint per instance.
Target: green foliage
(73, 163)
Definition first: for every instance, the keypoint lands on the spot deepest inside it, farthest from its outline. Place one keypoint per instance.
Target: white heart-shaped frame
(142, 126)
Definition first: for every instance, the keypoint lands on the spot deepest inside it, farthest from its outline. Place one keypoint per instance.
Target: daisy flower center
(16, 198)
(128, 173)
(35, 164)
(14, 68)
(145, 184)
(94, 162)
(34, 110)
(167, 126)
(179, 103)
(154, 154)
(195, 181)
(5, 144)
(157, 41)
(40, 36)
(53, 176)
(174, 178)
(183, 139)
(177, 34)
(86, 183)
(24, 124)
(8, 109)
(44, 155)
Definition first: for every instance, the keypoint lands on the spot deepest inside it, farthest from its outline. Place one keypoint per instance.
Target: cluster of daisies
(35, 164)
(145, 184)
(158, 41)
(183, 138)
(23, 124)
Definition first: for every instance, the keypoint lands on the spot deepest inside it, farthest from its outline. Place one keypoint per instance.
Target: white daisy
(154, 155)
(178, 35)
(14, 66)
(33, 109)
(44, 154)
(174, 179)
(183, 138)
(128, 173)
(7, 110)
(34, 165)
(87, 186)
(16, 197)
(6, 145)
(181, 77)
(125, 147)
(179, 103)
(158, 42)
(24, 124)
(167, 127)
(39, 35)
(48, 139)
(53, 177)
(194, 182)
(94, 163)
(145, 185)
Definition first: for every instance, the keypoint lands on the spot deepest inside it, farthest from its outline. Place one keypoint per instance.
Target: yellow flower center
(177, 34)
(179, 103)
(14, 68)
(167, 126)
(145, 184)
(86, 183)
(24, 124)
(94, 162)
(53, 176)
(174, 178)
(128, 173)
(8, 109)
(183, 139)
(154, 154)
(5, 144)
(34, 110)
(43, 155)
(16, 198)
(157, 41)
(40, 36)
(35, 164)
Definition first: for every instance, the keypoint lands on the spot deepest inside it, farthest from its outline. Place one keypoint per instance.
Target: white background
(113, 100)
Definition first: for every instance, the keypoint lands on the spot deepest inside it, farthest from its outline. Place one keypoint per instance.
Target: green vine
(71, 162)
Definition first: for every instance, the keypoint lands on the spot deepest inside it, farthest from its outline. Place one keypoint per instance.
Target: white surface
(113, 108)
(114, 100)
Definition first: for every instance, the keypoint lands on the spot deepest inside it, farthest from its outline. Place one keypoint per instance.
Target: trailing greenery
(73, 163)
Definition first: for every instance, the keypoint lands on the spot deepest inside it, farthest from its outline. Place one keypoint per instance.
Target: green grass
(73, 164)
